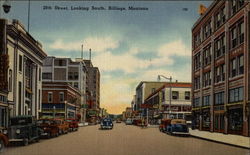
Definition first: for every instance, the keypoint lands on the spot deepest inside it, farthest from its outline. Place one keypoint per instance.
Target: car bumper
(181, 133)
(44, 134)
(106, 127)
(15, 140)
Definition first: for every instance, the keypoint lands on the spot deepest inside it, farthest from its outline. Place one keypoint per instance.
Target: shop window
(206, 119)
(235, 119)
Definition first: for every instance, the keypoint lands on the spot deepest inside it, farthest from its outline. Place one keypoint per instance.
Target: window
(207, 30)
(241, 32)
(233, 37)
(196, 83)
(237, 34)
(197, 61)
(50, 97)
(175, 95)
(220, 17)
(197, 39)
(10, 80)
(70, 75)
(206, 100)
(39, 74)
(233, 67)
(219, 73)
(236, 95)
(61, 97)
(76, 75)
(76, 84)
(20, 63)
(207, 55)
(241, 64)
(47, 76)
(196, 102)
(219, 46)
(219, 98)
(236, 5)
(207, 79)
(163, 95)
(187, 95)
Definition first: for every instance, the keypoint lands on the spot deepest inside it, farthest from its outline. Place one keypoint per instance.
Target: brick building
(221, 68)
(60, 99)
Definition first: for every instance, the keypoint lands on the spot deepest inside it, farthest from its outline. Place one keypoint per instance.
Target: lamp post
(170, 90)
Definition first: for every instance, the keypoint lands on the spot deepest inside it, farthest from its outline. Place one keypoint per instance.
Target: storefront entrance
(206, 119)
(235, 120)
(219, 123)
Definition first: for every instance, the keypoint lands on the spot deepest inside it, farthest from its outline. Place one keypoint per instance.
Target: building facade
(172, 100)
(65, 70)
(221, 68)
(24, 57)
(61, 100)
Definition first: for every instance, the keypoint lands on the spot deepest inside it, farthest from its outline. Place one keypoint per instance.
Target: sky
(127, 46)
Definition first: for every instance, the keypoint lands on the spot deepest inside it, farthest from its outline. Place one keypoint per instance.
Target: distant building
(65, 70)
(143, 90)
(220, 68)
(61, 100)
(164, 103)
(22, 59)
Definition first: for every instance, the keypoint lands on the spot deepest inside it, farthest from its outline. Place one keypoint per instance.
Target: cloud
(96, 44)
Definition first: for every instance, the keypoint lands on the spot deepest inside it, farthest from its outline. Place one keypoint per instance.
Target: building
(23, 62)
(128, 112)
(221, 68)
(143, 90)
(92, 90)
(61, 100)
(65, 70)
(172, 100)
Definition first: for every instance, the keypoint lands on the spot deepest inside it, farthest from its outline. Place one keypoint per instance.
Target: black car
(106, 123)
(23, 129)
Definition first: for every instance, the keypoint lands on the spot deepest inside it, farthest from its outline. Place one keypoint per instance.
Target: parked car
(73, 124)
(62, 125)
(129, 121)
(164, 124)
(3, 141)
(178, 127)
(23, 129)
(49, 128)
(106, 123)
(118, 121)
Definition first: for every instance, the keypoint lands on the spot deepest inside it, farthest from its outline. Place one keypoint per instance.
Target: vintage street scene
(124, 77)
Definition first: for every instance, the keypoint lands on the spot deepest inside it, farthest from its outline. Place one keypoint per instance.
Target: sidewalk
(235, 140)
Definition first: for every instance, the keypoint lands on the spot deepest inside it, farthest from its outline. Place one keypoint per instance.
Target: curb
(235, 145)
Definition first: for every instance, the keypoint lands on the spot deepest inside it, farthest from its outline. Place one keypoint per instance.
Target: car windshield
(20, 121)
(106, 120)
(43, 122)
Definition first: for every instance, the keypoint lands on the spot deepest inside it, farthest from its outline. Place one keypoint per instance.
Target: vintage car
(164, 124)
(178, 127)
(23, 129)
(73, 124)
(50, 129)
(106, 123)
(118, 121)
(3, 142)
(62, 125)
(129, 121)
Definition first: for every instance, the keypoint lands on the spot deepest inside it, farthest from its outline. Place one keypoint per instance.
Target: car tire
(1, 145)
(25, 141)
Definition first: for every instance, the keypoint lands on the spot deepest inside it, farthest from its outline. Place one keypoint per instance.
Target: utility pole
(82, 52)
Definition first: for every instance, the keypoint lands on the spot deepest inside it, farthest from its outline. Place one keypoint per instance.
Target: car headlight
(18, 131)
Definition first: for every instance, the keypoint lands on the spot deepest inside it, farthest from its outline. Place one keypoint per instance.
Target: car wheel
(1, 145)
(25, 141)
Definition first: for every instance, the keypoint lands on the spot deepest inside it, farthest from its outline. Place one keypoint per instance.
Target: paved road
(123, 140)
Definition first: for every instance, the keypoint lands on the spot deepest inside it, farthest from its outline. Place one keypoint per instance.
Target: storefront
(235, 120)
(219, 121)
(206, 119)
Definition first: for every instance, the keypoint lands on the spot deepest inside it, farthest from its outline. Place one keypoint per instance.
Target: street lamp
(170, 89)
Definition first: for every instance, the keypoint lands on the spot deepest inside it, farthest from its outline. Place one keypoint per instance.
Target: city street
(123, 140)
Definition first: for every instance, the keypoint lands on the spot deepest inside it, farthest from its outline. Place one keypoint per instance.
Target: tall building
(221, 68)
(93, 85)
(22, 58)
(65, 70)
